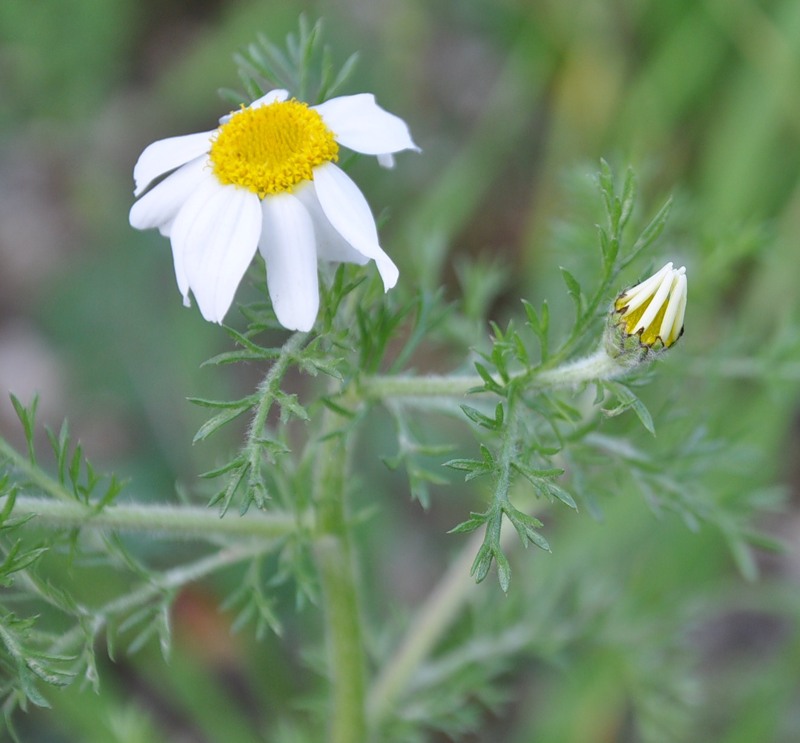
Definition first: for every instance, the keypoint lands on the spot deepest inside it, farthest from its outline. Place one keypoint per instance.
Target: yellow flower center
(270, 149)
(630, 321)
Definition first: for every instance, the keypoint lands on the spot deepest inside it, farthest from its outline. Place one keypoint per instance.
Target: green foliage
(608, 631)
(305, 68)
(415, 456)
(529, 431)
(61, 649)
(539, 434)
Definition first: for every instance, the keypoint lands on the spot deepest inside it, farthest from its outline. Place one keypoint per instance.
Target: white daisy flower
(654, 310)
(265, 179)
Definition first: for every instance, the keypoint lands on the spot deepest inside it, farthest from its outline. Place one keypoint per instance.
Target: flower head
(650, 314)
(266, 180)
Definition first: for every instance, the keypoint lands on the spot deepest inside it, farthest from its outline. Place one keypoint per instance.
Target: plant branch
(178, 521)
(267, 391)
(432, 619)
(598, 365)
(337, 573)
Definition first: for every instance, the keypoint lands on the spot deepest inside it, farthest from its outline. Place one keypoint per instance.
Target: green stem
(431, 621)
(337, 573)
(267, 390)
(507, 453)
(428, 627)
(597, 366)
(179, 521)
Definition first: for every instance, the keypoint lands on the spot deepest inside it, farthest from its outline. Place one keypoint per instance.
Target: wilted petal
(287, 244)
(347, 210)
(214, 238)
(168, 154)
(362, 125)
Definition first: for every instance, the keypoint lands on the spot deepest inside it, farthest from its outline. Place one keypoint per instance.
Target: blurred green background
(513, 104)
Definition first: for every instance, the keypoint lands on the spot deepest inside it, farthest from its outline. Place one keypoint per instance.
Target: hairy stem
(337, 572)
(598, 365)
(267, 389)
(179, 521)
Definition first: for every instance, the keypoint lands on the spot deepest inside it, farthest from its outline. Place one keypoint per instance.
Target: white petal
(331, 246)
(205, 182)
(277, 95)
(287, 244)
(168, 154)
(637, 295)
(386, 160)
(362, 125)
(347, 210)
(265, 100)
(673, 317)
(208, 183)
(166, 228)
(657, 302)
(158, 207)
(679, 317)
(215, 236)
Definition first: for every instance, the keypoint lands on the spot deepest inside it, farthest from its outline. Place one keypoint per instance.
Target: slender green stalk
(337, 572)
(179, 521)
(597, 366)
(507, 453)
(430, 623)
(267, 390)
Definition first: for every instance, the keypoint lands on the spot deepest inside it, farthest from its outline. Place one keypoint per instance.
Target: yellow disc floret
(649, 334)
(270, 149)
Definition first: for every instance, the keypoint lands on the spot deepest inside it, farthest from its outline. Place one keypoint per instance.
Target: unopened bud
(649, 316)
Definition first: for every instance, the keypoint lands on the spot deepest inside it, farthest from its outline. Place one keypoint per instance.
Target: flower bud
(649, 316)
